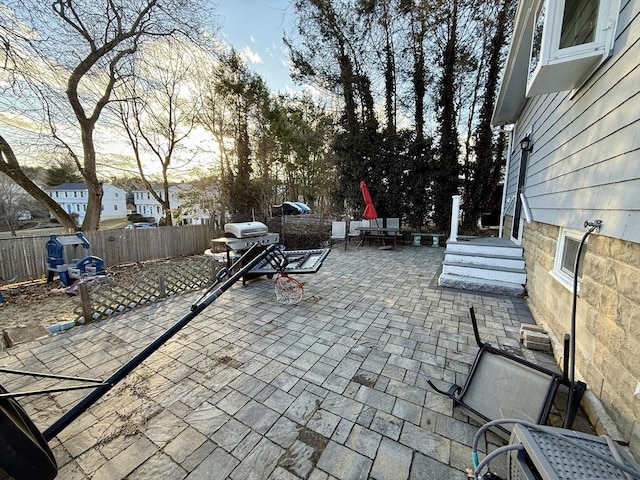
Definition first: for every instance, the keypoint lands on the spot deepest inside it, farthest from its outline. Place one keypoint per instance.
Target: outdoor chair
(394, 223)
(353, 229)
(377, 222)
(339, 233)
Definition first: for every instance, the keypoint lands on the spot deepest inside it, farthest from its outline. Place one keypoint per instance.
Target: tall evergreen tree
(447, 169)
(485, 171)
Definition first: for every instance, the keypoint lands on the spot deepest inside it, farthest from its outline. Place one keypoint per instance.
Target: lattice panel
(110, 298)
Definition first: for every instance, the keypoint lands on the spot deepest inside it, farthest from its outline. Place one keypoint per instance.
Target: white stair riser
(487, 274)
(480, 285)
(483, 249)
(488, 261)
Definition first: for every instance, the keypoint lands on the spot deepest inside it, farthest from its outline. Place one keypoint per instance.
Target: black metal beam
(127, 368)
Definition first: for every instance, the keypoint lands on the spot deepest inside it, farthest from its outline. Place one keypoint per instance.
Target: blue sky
(255, 28)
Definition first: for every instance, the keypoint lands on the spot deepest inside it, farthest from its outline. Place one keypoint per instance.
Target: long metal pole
(127, 368)
(572, 345)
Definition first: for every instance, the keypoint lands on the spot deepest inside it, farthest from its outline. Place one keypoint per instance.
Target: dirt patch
(227, 360)
(367, 379)
(28, 308)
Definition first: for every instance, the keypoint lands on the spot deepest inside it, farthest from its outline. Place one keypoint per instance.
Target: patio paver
(332, 388)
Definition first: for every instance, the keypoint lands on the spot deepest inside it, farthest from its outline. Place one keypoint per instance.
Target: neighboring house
(147, 206)
(571, 90)
(73, 198)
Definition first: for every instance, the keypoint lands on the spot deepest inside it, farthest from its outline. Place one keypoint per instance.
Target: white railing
(455, 215)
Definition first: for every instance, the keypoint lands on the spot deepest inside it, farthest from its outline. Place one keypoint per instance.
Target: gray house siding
(585, 165)
(585, 162)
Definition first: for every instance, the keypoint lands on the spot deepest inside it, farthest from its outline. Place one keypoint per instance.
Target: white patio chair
(394, 223)
(377, 222)
(338, 232)
(353, 229)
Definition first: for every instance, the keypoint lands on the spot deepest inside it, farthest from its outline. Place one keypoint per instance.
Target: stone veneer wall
(608, 318)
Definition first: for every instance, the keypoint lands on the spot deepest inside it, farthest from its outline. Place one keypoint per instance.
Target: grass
(114, 223)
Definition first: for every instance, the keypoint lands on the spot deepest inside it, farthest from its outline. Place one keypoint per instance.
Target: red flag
(369, 210)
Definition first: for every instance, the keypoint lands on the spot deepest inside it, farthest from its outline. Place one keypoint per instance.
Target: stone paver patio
(334, 387)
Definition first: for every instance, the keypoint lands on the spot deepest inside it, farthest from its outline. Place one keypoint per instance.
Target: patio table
(378, 233)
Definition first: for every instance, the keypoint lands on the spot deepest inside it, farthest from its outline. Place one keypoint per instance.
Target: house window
(565, 260)
(579, 23)
(75, 194)
(115, 207)
(570, 39)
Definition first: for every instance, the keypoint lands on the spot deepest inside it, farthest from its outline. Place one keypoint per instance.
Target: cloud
(250, 56)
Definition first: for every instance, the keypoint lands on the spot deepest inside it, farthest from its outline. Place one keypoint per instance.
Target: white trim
(558, 68)
(518, 241)
(557, 273)
(513, 88)
(503, 205)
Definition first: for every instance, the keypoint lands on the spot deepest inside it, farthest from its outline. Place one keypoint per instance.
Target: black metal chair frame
(555, 381)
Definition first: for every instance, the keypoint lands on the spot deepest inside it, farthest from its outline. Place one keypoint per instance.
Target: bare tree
(10, 167)
(14, 202)
(162, 111)
(87, 46)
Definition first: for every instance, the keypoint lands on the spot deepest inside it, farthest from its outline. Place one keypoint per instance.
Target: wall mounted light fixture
(526, 144)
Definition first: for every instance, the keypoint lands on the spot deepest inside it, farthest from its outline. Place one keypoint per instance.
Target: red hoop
(288, 290)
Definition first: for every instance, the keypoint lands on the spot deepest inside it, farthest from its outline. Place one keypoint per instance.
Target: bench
(435, 238)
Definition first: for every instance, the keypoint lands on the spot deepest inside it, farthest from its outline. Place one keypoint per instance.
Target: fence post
(85, 302)
(162, 287)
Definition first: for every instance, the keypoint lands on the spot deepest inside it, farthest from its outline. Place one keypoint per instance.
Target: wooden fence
(25, 257)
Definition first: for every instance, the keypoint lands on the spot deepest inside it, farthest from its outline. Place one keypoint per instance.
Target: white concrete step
(487, 259)
(493, 246)
(505, 274)
(480, 285)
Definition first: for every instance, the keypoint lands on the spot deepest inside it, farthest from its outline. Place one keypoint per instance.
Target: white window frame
(559, 69)
(564, 278)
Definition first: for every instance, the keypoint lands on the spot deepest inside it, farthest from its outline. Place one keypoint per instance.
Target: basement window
(565, 259)
(571, 38)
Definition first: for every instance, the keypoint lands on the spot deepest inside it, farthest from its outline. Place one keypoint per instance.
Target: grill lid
(246, 229)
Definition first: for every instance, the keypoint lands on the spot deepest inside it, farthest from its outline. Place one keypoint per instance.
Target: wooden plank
(26, 256)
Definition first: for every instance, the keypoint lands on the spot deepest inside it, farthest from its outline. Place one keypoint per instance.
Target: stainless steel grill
(243, 235)
(246, 229)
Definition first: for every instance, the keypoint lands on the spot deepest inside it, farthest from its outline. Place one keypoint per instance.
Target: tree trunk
(446, 177)
(9, 166)
(94, 187)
